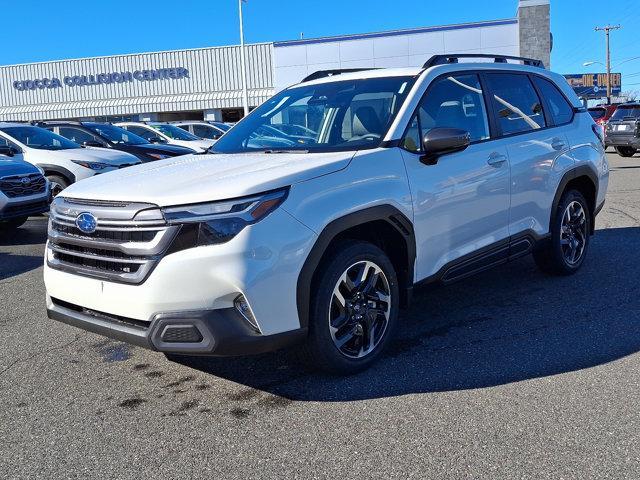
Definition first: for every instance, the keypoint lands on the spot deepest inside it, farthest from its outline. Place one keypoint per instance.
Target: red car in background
(602, 113)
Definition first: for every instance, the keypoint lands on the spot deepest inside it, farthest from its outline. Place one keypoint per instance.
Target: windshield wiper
(293, 150)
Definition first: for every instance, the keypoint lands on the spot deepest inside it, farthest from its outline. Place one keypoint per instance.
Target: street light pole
(243, 64)
(607, 30)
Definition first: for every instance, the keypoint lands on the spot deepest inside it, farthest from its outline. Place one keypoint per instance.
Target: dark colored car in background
(623, 129)
(95, 134)
(24, 191)
(204, 129)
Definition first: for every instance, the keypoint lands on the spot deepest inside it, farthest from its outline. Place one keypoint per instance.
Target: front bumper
(18, 207)
(206, 332)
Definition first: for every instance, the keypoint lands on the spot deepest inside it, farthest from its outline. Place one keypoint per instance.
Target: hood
(205, 178)
(89, 154)
(11, 166)
(173, 150)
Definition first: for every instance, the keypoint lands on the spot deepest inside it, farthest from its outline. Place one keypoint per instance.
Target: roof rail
(331, 73)
(454, 58)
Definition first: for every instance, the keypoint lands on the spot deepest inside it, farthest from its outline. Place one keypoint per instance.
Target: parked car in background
(157, 132)
(623, 129)
(94, 134)
(602, 113)
(202, 129)
(411, 176)
(64, 162)
(24, 190)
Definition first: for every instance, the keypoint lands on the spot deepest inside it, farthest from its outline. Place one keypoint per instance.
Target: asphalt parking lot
(510, 374)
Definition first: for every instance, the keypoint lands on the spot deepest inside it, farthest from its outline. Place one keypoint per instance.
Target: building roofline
(391, 33)
(120, 55)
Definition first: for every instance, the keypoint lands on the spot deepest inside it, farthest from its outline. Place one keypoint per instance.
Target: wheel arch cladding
(384, 226)
(583, 179)
(58, 170)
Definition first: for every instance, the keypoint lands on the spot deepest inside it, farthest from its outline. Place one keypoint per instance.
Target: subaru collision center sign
(594, 85)
(102, 78)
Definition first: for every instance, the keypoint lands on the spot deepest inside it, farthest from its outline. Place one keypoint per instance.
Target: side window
(516, 103)
(561, 110)
(76, 135)
(203, 131)
(456, 102)
(141, 132)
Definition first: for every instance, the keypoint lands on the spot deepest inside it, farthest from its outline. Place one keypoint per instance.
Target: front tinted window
(174, 132)
(116, 134)
(206, 131)
(340, 115)
(39, 138)
(597, 113)
(561, 110)
(516, 103)
(450, 102)
(142, 132)
(626, 111)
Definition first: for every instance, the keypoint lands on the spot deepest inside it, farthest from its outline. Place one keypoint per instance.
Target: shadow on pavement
(34, 232)
(508, 325)
(13, 265)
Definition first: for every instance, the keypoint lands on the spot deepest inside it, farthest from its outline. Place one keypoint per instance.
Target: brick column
(534, 19)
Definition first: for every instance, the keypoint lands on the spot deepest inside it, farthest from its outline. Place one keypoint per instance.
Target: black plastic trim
(58, 170)
(387, 213)
(580, 171)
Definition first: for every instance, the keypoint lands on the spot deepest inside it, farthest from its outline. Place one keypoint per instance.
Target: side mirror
(441, 141)
(8, 151)
(157, 140)
(92, 143)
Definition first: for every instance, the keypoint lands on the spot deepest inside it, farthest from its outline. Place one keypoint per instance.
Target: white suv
(63, 161)
(411, 176)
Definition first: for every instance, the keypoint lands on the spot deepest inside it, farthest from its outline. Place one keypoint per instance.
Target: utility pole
(607, 30)
(243, 62)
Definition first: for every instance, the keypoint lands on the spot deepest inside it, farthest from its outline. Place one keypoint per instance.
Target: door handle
(557, 144)
(496, 159)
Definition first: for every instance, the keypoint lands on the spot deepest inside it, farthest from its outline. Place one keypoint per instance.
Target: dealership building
(205, 83)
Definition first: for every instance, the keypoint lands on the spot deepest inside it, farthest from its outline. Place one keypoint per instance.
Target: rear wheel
(13, 224)
(354, 309)
(565, 251)
(58, 184)
(626, 151)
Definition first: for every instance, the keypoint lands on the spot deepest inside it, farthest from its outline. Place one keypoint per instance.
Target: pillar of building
(534, 18)
(213, 115)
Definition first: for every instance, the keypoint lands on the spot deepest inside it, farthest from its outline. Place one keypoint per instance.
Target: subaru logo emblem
(25, 181)
(86, 222)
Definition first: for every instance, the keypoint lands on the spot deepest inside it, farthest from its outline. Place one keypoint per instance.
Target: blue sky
(38, 30)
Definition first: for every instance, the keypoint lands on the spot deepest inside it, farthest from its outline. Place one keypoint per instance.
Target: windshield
(597, 113)
(341, 115)
(624, 111)
(39, 138)
(176, 133)
(116, 135)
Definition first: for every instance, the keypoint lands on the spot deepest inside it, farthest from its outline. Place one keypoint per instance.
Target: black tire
(553, 256)
(320, 351)
(58, 184)
(626, 151)
(13, 224)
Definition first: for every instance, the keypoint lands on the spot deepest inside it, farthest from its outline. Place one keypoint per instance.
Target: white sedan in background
(158, 132)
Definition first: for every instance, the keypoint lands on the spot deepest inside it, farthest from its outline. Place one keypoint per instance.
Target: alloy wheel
(573, 233)
(360, 309)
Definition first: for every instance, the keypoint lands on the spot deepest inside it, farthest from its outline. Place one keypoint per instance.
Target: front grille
(129, 240)
(23, 185)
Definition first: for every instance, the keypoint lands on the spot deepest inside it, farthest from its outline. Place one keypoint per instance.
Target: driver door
(461, 204)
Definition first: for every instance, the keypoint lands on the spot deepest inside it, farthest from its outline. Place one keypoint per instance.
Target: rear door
(539, 151)
(461, 204)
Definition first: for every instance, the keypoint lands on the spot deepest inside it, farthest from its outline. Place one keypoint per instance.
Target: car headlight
(97, 166)
(218, 222)
(158, 156)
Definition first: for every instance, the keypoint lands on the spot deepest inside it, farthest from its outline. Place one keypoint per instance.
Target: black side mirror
(8, 150)
(441, 141)
(157, 140)
(92, 143)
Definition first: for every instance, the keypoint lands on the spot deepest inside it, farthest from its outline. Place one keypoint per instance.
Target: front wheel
(626, 151)
(564, 252)
(58, 184)
(354, 309)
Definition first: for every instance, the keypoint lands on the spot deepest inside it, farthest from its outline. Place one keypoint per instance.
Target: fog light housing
(243, 308)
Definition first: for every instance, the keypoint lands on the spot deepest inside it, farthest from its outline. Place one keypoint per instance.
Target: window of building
(517, 105)
(561, 110)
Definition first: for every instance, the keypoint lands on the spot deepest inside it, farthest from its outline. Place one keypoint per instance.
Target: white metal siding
(214, 82)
